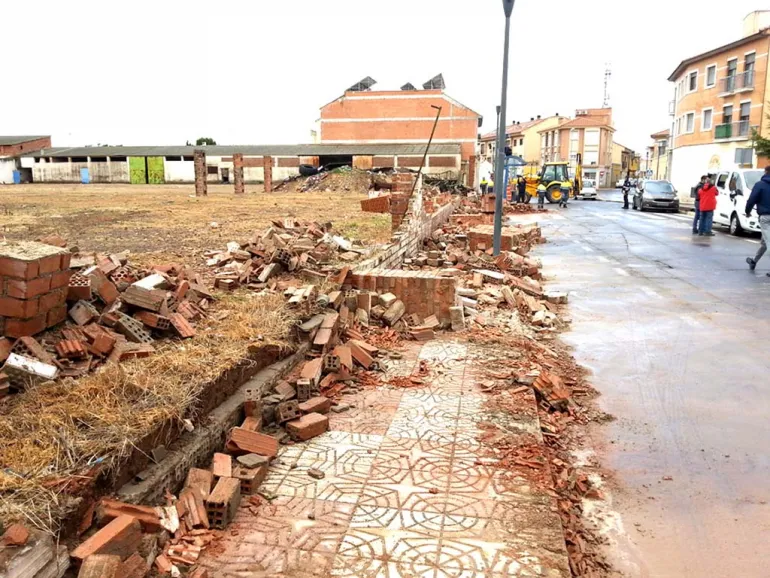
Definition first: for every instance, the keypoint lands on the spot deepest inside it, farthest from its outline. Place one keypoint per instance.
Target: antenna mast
(607, 76)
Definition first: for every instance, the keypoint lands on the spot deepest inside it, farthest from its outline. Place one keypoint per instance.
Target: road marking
(620, 271)
(752, 241)
(651, 293)
(603, 259)
(586, 249)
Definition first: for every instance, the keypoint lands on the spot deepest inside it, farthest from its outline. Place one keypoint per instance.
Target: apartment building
(624, 162)
(655, 163)
(522, 137)
(719, 100)
(590, 134)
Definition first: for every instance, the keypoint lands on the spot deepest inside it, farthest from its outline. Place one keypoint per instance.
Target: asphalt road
(677, 332)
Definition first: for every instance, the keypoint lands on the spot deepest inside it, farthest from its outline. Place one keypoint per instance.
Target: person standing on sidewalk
(708, 204)
(696, 196)
(760, 197)
(626, 190)
(541, 197)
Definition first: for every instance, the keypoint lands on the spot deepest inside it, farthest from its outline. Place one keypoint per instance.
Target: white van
(734, 188)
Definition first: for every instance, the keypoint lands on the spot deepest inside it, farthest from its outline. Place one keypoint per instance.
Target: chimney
(557, 114)
(538, 117)
(531, 118)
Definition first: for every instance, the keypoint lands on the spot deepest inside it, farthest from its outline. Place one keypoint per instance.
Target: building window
(743, 121)
(748, 66)
(521, 142)
(592, 137)
(727, 114)
(690, 122)
(711, 75)
(692, 81)
(708, 119)
(744, 156)
(662, 148)
(212, 170)
(591, 158)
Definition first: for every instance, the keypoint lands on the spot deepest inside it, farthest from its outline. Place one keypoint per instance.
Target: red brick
(103, 344)
(251, 442)
(101, 566)
(182, 326)
(318, 404)
(147, 515)
(15, 535)
(21, 289)
(18, 269)
(18, 308)
(222, 466)
(22, 327)
(308, 426)
(120, 537)
(54, 240)
(56, 315)
(66, 259)
(5, 348)
(49, 264)
(134, 567)
(60, 279)
(52, 300)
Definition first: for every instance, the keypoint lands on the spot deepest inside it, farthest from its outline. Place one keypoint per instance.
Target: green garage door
(138, 170)
(155, 171)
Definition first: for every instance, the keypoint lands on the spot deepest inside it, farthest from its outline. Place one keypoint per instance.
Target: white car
(734, 187)
(589, 190)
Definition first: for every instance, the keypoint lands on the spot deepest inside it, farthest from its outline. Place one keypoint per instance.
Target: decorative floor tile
(409, 490)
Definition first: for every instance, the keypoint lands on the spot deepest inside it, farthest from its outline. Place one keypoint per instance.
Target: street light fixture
(501, 188)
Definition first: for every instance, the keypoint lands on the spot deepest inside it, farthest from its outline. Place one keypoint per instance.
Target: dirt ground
(168, 221)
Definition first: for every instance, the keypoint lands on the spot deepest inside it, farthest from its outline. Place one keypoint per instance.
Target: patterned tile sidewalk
(407, 492)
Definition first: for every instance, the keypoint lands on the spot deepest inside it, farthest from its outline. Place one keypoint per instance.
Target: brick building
(12, 147)
(403, 117)
(720, 98)
(522, 137)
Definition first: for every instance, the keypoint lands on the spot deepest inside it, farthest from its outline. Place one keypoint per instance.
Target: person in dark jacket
(760, 198)
(626, 190)
(696, 196)
(522, 186)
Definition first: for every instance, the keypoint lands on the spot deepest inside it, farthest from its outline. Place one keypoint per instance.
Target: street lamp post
(500, 187)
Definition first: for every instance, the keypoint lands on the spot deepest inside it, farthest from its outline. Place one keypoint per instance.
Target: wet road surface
(677, 333)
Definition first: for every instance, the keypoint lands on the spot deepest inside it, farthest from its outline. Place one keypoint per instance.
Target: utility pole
(500, 188)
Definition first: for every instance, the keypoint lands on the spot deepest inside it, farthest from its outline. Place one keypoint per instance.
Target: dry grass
(168, 222)
(55, 432)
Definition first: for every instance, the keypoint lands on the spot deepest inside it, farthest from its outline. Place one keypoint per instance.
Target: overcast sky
(256, 72)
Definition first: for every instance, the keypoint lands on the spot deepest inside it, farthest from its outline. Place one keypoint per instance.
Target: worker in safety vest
(484, 184)
(491, 185)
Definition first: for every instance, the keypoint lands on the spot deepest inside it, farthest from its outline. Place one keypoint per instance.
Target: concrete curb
(196, 448)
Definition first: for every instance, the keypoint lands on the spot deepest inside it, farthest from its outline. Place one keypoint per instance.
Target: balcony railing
(733, 130)
(738, 82)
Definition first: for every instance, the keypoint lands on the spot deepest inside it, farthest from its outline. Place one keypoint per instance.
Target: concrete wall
(7, 166)
(69, 172)
(179, 171)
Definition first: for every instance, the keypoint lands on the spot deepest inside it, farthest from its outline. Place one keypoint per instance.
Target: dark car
(656, 195)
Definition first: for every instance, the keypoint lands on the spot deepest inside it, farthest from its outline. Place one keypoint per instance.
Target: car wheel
(735, 226)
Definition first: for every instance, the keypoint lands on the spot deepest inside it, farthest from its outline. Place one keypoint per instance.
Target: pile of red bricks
(518, 239)
(423, 293)
(33, 287)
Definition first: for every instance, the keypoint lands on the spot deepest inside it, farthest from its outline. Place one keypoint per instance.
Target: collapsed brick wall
(422, 292)
(416, 226)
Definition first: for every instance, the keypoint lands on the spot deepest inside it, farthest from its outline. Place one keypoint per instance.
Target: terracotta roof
(661, 134)
(685, 64)
(588, 122)
(512, 129)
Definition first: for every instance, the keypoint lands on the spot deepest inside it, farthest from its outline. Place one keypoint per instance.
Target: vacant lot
(168, 221)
